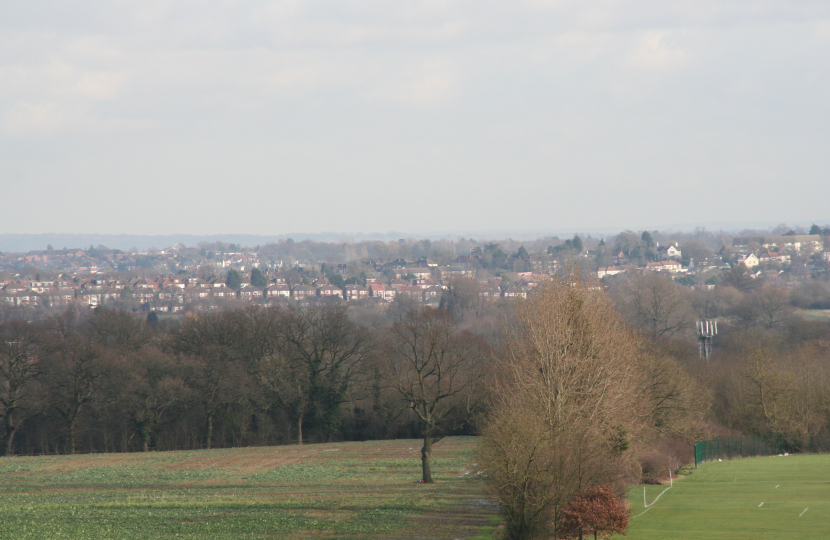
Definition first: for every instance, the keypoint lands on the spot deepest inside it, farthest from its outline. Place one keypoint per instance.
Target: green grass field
(345, 490)
(721, 500)
(369, 490)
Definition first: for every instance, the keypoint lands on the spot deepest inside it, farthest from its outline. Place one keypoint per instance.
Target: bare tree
(215, 373)
(566, 415)
(76, 369)
(20, 370)
(437, 370)
(150, 386)
(321, 358)
(772, 305)
(462, 298)
(653, 302)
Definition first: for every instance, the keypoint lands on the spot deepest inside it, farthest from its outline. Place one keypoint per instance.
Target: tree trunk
(11, 429)
(7, 447)
(144, 431)
(73, 423)
(209, 430)
(300, 429)
(425, 453)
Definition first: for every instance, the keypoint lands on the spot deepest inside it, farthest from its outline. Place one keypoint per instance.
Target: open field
(344, 490)
(814, 314)
(723, 500)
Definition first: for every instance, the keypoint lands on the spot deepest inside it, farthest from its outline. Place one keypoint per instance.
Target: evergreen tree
(646, 237)
(233, 280)
(258, 279)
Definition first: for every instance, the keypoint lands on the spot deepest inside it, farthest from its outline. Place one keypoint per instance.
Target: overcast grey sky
(208, 117)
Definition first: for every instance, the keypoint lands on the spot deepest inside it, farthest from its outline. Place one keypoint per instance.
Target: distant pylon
(706, 330)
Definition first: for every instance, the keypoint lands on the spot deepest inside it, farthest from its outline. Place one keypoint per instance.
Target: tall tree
(437, 370)
(233, 279)
(565, 416)
(150, 385)
(20, 369)
(76, 373)
(462, 298)
(319, 363)
(258, 279)
(215, 374)
(577, 243)
(656, 304)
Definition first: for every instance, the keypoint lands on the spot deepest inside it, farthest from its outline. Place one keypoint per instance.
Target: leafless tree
(567, 415)
(653, 302)
(20, 370)
(320, 360)
(150, 386)
(437, 370)
(772, 305)
(463, 299)
(215, 372)
(76, 369)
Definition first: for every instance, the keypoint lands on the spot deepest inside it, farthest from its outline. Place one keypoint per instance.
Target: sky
(255, 117)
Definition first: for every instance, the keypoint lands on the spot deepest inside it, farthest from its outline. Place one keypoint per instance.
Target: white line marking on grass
(776, 487)
(641, 513)
(802, 513)
(655, 499)
(760, 505)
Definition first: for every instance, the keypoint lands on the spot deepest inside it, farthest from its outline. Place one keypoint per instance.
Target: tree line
(106, 380)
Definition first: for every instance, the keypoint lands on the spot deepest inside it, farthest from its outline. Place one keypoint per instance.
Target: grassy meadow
(344, 490)
(723, 500)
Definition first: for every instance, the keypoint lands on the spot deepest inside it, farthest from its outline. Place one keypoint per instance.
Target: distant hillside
(30, 242)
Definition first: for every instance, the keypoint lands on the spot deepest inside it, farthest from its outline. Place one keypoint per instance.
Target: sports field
(344, 490)
(758, 498)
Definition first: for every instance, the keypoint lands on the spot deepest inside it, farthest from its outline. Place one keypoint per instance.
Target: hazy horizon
(21, 242)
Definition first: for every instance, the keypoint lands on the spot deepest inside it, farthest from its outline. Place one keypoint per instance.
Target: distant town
(181, 279)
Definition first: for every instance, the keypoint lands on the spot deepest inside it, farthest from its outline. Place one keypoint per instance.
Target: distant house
(278, 290)
(750, 261)
(222, 292)
(299, 292)
(396, 284)
(664, 266)
(795, 243)
(249, 293)
(433, 292)
(445, 273)
(411, 291)
(514, 292)
(376, 289)
(330, 290)
(356, 292)
(609, 271)
(670, 251)
(489, 292)
(418, 272)
(773, 256)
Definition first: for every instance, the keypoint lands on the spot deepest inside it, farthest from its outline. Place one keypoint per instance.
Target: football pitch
(758, 498)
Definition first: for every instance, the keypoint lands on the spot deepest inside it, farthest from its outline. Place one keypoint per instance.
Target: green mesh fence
(760, 445)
